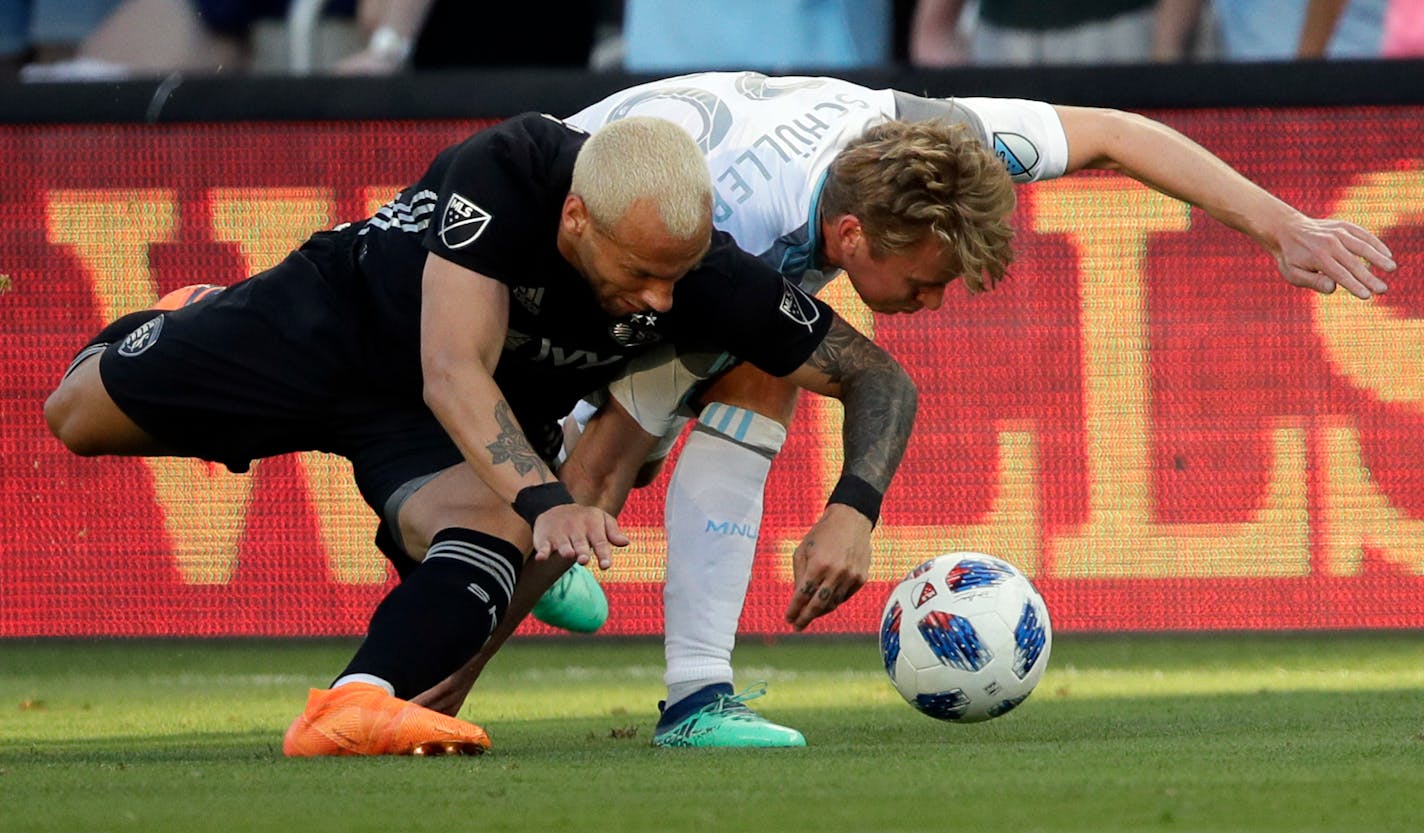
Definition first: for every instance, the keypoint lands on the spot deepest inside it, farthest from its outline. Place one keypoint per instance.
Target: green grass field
(1212, 733)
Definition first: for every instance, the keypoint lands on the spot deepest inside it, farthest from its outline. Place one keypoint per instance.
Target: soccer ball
(965, 637)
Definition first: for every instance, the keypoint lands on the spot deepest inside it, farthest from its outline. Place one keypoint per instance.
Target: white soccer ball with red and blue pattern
(965, 637)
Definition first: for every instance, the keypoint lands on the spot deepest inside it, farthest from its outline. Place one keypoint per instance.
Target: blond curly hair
(905, 180)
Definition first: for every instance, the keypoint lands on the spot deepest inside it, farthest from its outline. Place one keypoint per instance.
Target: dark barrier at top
(499, 94)
(1144, 417)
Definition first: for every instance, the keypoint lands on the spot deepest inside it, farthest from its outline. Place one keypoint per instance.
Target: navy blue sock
(441, 614)
(691, 703)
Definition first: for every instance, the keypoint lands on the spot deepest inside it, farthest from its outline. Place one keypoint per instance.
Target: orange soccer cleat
(362, 719)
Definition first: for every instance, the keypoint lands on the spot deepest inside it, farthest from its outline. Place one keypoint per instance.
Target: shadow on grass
(1298, 719)
(191, 747)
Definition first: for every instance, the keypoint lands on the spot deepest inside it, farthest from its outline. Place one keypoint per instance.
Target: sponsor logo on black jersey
(141, 339)
(535, 349)
(462, 223)
(798, 306)
(636, 329)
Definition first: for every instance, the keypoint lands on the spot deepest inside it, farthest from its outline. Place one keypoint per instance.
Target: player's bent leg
(81, 415)
(713, 514)
(426, 627)
(448, 696)
(601, 471)
(714, 509)
(456, 497)
(606, 454)
(566, 594)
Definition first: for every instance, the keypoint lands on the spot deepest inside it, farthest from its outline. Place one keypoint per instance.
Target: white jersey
(770, 140)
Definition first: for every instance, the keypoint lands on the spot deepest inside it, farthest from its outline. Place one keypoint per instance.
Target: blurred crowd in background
(53, 40)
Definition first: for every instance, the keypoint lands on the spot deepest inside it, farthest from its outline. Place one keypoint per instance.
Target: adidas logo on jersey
(529, 297)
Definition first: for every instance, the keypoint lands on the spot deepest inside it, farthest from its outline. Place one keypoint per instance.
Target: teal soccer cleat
(575, 602)
(715, 717)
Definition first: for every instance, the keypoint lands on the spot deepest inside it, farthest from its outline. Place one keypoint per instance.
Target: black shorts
(284, 362)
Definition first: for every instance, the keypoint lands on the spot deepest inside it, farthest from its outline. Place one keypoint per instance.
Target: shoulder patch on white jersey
(462, 222)
(1018, 153)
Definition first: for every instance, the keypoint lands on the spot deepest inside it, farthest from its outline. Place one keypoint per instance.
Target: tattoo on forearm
(879, 399)
(828, 355)
(512, 447)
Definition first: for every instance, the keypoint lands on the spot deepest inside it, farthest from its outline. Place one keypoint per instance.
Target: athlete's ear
(575, 215)
(850, 235)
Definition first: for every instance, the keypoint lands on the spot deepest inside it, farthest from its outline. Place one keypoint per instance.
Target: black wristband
(859, 495)
(533, 501)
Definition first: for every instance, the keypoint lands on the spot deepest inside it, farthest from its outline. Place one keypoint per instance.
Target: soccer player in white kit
(770, 145)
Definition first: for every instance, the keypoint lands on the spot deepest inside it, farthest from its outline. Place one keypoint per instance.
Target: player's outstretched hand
(1325, 254)
(832, 562)
(579, 532)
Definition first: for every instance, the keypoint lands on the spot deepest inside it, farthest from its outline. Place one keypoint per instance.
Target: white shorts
(654, 390)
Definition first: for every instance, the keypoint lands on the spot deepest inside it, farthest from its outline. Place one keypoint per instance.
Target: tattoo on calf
(512, 447)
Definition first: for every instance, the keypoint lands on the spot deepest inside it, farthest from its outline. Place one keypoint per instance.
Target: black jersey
(492, 204)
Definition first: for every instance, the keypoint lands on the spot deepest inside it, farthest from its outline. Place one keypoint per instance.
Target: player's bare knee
(751, 389)
(86, 421)
(456, 498)
(65, 420)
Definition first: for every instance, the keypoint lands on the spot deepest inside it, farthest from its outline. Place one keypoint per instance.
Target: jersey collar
(813, 225)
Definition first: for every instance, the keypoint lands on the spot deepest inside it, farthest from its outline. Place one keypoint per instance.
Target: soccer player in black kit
(436, 345)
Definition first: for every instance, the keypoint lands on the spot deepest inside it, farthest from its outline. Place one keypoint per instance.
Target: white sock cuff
(697, 675)
(368, 679)
(743, 426)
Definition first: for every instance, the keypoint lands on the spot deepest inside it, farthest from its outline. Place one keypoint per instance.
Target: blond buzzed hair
(905, 180)
(645, 158)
